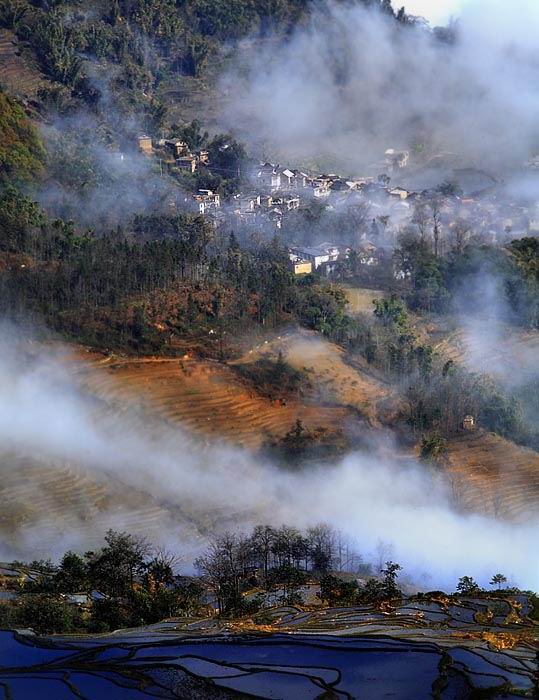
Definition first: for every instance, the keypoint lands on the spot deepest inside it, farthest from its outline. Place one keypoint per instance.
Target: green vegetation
(437, 281)
(142, 41)
(275, 379)
(467, 586)
(301, 445)
(128, 582)
(125, 583)
(433, 449)
(21, 151)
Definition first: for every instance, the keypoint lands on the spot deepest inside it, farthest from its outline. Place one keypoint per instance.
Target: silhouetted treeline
(128, 582)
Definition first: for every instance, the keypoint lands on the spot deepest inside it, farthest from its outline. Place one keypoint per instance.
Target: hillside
(490, 346)
(206, 397)
(493, 476)
(337, 380)
(60, 500)
(19, 73)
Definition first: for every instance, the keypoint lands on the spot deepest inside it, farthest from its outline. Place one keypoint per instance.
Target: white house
(269, 176)
(317, 255)
(207, 200)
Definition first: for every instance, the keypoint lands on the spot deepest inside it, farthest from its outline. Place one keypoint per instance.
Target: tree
(336, 591)
(498, 580)
(72, 575)
(434, 448)
(45, 613)
(56, 46)
(195, 55)
(12, 14)
(387, 7)
(389, 584)
(261, 541)
(159, 571)
(402, 16)
(320, 543)
(224, 567)
(391, 311)
(460, 231)
(435, 206)
(21, 151)
(290, 579)
(450, 188)
(114, 568)
(193, 135)
(467, 586)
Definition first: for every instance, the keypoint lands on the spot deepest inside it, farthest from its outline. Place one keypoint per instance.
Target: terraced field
(486, 346)
(360, 299)
(494, 476)
(18, 73)
(45, 502)
(490, 474)
(418, 649)
(141, 397)
(207, 397)
(55, 498)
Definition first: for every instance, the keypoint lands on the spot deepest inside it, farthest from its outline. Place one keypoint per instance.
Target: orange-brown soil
(494, 476)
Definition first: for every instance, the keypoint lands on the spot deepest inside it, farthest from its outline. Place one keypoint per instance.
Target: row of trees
(143, 35)
(132, 583)
(281, 559)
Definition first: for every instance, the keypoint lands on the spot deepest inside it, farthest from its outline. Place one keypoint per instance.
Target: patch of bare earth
(336, 380)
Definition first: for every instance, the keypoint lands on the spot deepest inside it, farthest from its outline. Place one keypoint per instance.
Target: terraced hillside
(474, 647)
(45, 502)
(488, 346)
(206, 397)
(141, 397)
(19, 75)
(494, 476)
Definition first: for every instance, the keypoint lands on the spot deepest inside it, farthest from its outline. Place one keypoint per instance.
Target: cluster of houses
(275, 193)
(173, 152)
(328, 258)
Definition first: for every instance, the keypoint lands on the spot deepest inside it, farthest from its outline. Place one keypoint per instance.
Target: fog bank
(353, 83)
(206, 489)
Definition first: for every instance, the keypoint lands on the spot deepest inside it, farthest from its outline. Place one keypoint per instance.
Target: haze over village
(269, 349)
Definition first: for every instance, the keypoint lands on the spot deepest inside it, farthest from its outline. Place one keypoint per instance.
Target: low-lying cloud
(353, 83)
(203, 489)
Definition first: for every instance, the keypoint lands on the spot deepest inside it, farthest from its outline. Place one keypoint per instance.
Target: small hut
(468, 423)
(145, 145)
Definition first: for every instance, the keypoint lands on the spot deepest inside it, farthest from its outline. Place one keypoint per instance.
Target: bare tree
(421, 219)
(461, 228)
(435, 206)
(262, 540)
(223, 567)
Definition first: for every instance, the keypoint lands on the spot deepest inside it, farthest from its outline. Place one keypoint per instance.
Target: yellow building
(302, 267)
